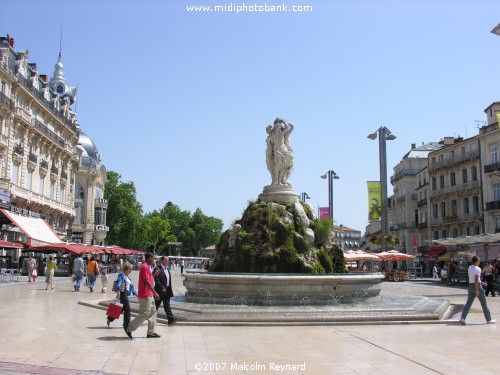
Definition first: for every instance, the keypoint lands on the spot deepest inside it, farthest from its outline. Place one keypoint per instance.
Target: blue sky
(178, 101)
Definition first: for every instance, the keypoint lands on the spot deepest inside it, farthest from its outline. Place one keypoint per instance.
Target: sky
(177, 100)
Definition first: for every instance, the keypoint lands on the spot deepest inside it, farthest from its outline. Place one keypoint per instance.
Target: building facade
(44, 161)
(346, 238)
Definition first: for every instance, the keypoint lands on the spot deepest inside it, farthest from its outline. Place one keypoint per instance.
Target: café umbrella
(394, 256)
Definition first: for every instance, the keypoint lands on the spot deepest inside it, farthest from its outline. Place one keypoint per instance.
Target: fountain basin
(279, 289)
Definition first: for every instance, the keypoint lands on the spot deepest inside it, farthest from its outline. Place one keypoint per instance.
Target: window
(452, 154)
(444, 234)
(62, 192)
(453, 180)
(441, 157)
(435, 211)
(494, 154)
(443, 209)
(466, 205)
(496, 192)
(434, 184)
(41, 188)
(436, 235)
(474, 173)
(52, 188)
(15, 173)
(433, 160)
(462, 150)
(475, 203)
(455, 232)
(79, 215)
(477, 229)
(29, 181)
(497, 224)
(98, 192)
(454, 209)
(464, 176)
(441, 182)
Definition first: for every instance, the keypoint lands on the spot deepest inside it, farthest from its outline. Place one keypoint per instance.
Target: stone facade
(41, 159)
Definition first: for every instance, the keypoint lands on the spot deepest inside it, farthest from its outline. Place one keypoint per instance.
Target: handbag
(122, 285)
(114, 310)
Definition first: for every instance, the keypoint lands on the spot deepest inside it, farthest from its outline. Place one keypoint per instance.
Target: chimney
(449, 140)
(44, 78)
(11, 42)
(413, 145)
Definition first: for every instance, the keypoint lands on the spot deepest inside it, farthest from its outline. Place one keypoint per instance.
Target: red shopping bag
(114, 310)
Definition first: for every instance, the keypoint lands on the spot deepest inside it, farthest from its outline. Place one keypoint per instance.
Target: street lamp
(304, 196)
(384, 135)
(331, 176)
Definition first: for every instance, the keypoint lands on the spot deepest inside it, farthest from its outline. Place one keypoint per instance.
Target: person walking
(476, 290)
(92, 272)
(163, 286)
(435, 274)
(124, 288)
(49, 276)
(31, 267)
(78, 268)
(146, 295)
(488, 276)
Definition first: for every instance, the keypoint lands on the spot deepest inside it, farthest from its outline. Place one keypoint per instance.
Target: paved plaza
(48, 332)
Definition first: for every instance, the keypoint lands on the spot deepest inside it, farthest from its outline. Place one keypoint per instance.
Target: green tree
(322, 232)
(159, 230)
(127, 227)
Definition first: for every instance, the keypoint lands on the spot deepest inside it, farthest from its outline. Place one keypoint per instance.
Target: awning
(80, 249)
(14, 245)
(37, 231)
(437, 251)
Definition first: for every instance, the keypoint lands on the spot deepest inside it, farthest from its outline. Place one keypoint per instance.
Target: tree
(127, 227)
(158, 230)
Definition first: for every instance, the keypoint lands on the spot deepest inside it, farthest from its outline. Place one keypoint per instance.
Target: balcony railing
(471, 155)
(6, 101)
(44, 164)
(423, 225)
(494, 205)
(404, 172)
(457, 188)
(490, 168)
(45, 130)
(18, 149)
(401, 199)
(422, 202)
(32, 157)
(27, 84)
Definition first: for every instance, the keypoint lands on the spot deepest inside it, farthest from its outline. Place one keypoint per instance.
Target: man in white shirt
(476, 290)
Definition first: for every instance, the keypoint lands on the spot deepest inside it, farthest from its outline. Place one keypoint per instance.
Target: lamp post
(304, 196)
(384, 135)
(331, 176)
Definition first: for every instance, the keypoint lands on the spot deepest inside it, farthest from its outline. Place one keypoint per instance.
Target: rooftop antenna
(478, 124)
(60, 43)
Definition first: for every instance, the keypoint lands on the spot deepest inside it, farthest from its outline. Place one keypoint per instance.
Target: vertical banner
(324, 213)
(498, 117)
(374, 200)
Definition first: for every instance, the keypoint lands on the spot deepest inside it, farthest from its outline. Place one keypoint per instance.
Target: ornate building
(47, 165)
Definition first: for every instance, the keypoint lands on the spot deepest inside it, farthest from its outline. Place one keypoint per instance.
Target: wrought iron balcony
(32, 157)
(423, 225)
(493, 167)
(494, 205)
(18, 149)
(422, 202)
(6, 101)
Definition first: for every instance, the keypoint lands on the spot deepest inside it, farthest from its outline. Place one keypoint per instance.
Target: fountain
(274, 250)
(276, 266)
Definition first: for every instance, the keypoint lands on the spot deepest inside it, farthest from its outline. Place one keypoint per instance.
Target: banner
(498, 117)
(324, 213)
(374, 200)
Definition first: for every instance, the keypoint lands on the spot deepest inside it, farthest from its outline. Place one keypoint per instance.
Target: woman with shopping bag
(124, 288)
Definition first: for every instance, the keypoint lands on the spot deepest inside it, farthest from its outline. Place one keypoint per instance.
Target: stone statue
(279, 153)
(233, 233)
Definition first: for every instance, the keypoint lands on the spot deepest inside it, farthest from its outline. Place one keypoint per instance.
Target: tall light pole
(331, 176)
(304, 196)
(384, 135)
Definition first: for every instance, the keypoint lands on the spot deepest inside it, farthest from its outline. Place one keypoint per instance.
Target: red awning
(14, 245)
(435, 251)
(84, 249)
(38, 232)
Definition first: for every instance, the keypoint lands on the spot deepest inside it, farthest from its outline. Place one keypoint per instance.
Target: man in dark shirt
(163, 286)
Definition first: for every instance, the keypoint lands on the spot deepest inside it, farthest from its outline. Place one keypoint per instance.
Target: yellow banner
(374, 200)
(498, 118)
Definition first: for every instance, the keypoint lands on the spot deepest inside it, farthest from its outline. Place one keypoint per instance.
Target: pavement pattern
(48, 332)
